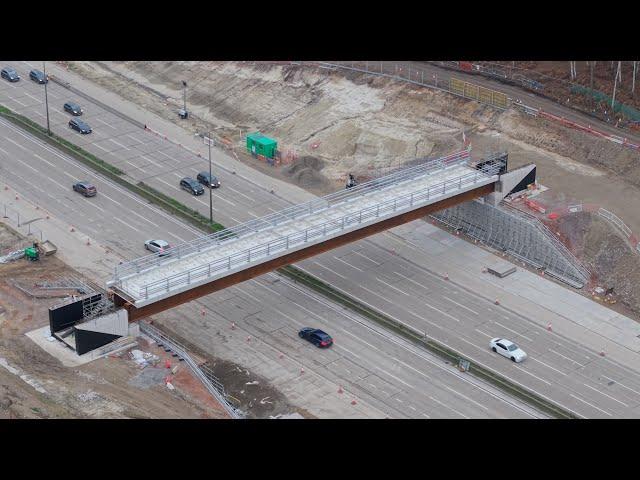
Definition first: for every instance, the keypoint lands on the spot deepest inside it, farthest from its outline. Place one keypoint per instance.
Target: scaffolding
(518, 234)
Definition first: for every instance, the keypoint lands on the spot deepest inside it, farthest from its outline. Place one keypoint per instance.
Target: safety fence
(423, 77)
(537, 112)
(21, 224)
(210, 382)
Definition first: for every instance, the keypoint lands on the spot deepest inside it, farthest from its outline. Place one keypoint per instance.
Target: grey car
(210, 181)
(160, 247)
(80, 126)
(10, 74)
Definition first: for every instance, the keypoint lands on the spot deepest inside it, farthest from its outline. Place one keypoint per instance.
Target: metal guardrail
(24, 227)
(205, 375)
(615, 220)
(312, 234)
(291, 213)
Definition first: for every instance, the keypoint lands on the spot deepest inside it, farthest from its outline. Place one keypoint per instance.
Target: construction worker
(351, 182)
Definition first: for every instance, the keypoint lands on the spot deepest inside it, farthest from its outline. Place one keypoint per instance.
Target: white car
(507, 349)
(158, 246)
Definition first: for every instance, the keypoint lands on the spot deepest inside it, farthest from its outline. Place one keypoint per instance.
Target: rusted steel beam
(136, 313)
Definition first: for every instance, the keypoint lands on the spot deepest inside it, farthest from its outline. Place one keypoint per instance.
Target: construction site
(438, 162)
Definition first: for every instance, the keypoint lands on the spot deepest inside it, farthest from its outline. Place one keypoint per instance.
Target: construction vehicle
(45, 248)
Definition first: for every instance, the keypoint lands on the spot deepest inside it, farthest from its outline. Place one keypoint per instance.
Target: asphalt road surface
(565, 372)
(394, 376)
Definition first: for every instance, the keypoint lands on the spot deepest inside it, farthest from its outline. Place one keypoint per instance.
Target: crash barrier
(22, 224)
(537, 112)
(613, 219)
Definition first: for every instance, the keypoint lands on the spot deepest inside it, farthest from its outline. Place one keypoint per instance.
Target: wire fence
(424, 77)
(22, 225)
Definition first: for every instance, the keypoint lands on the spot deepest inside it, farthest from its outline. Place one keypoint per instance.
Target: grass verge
(194, 217)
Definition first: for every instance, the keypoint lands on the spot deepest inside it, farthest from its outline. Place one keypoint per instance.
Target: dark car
(10, 74)
(38, 76)
(79, 125)
(73, 108)
(191, 186)
(210, 181)
(85, 188)
(317, 337)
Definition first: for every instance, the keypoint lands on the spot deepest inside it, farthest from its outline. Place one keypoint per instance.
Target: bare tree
(615, 85)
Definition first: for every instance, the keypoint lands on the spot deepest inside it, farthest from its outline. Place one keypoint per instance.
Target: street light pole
(46, 98)
(210, 178)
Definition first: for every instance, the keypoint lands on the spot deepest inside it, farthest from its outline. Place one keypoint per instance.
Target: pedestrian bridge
(151, 284)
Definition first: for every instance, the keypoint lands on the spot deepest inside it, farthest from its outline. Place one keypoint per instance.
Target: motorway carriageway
(380, 368)
(572, 376)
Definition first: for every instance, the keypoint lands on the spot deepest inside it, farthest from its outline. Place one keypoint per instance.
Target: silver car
(158, 246)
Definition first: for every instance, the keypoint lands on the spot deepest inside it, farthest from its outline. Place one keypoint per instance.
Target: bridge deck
(152, 278)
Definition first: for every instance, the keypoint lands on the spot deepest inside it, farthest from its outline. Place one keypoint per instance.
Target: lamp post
(210, 178)
(46, 98)
(184, 97)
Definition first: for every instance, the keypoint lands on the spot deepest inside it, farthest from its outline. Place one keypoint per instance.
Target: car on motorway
(319, 338)
(10, 74)
(210, 181)
(191, 186)
(507, 349)
(160, 247)
(79, 125)
(85, 188)
(73, 108)
(38, 76)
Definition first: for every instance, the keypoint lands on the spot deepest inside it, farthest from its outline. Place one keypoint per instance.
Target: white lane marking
(220, 197)
(4, 151)
(529, 373)
(135, 166)
(17, 144)
(602, 393)
(101, 148)
(448, 407)
(162, 153)
(391, 286)
(125, 223)
(425, 415)
(31, 96)
(570, 359)
(156, 164)
(115, 186)
(166, 183)
(412, 408)
(374, 293)
(363, 255)
(398, 399)
(327, 268)
(549, 366)
(252, 214)
(591, 405)
(176, 236)
(398, 379)
(25, 164)
(517, 333)
(372, 386)
(424, 319)
(244, 292)
(27, 63)
(105, 123)
(174, 173)
(473, 344)
(465, 397)
(411, 280)
(272, 291)
(240, 193)
(623, 386)
(44, 160)
(108, 197)
(134, 139)
(443, 313)
(118, 143)
(18, 101)
(460, 305)
(347, 263)
(485, 334)
(143, 218)
(340, 347)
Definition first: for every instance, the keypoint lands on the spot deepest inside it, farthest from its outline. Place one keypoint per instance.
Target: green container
(258, 144)
(31, 252)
